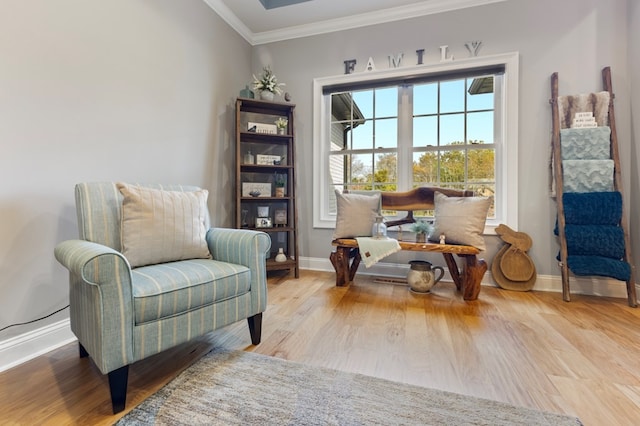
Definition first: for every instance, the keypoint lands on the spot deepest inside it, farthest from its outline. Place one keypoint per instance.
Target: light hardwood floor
(531, 349)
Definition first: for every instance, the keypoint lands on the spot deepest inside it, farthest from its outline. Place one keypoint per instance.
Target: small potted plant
(281, 124)
(422, 229)
(267, 84)
(280, 182)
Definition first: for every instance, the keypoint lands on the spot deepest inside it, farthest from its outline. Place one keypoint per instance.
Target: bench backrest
(417, 199)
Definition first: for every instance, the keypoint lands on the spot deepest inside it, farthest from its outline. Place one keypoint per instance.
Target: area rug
(242, 388)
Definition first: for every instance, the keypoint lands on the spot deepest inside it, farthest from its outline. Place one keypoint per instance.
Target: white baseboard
(22, 348)
(595, 286)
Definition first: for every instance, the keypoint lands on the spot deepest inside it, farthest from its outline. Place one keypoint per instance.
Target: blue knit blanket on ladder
(595, 240)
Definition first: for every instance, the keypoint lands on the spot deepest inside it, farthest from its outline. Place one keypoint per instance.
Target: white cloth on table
(374, 249)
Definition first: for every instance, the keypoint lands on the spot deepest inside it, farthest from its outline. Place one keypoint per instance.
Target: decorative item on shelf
(281, 257)
(267, 84)
(281, 124)
(280, 217)
(422, 229)
(443, 239)
(421, 277)
(244, 223)
(287, 97)
(280, 182)
(246, 93)
(379, 229)
(267, 160)
(263, 222)
(263, 211)
(256, 189)
(269, 129)
(248, 158)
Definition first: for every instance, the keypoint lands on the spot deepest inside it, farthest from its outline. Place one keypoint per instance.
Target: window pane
(480, 93)
(363, 100)
(387, 102)
(425, 131)
(481, 165)
(338, 139)
(425, 169)
(425, 99)
(452, 129)
(361, 170)
(386, 173)
(452, 164)
(452, 96)
(363, 136)
(386, 133)
(480, 127)
(337, 168)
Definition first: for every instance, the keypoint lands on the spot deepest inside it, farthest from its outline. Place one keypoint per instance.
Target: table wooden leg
(453, 270)
(340, 260)
(355, 253)
(474, 270)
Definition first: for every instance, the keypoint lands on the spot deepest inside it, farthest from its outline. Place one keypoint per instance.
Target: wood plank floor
(532, 349)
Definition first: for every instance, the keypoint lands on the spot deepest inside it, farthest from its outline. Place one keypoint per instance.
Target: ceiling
(259, 25)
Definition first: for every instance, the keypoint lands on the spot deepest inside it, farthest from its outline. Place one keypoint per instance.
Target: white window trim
(506, 150)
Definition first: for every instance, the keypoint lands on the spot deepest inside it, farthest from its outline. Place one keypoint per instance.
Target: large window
(444, 125)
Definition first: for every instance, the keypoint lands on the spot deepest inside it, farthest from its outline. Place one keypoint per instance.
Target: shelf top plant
(267, 82)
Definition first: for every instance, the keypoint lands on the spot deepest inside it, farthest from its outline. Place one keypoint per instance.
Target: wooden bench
(346, 258)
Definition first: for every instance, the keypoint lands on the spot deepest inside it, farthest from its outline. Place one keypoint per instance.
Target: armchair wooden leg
(83, 351)
(255, 328)
(118, 387)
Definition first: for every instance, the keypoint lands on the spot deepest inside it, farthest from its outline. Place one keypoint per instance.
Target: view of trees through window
(400, 137)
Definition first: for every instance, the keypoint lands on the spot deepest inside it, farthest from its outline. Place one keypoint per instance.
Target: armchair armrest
(101, 301)
(248, 248)
(240, 246)
(75, 255)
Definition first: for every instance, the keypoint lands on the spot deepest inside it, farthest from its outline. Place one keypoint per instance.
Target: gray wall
(132, 90)
(577, 38)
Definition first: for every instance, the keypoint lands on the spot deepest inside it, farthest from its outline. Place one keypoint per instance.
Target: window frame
(506, 116)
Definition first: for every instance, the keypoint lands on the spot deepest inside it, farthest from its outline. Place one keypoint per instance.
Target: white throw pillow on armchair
(160, 226)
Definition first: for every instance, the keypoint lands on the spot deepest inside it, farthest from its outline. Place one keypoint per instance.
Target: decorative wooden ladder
(559, 189)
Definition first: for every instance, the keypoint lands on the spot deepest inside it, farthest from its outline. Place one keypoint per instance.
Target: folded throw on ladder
(592, 208)
(588, 240)
(586, 143)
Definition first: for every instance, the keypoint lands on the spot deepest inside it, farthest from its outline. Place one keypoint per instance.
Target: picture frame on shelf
(263, 222)
(269, 129)
(256, 189)
(267, 160)
(280, 217)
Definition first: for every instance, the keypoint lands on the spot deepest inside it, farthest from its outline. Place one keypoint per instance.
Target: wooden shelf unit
(275, 145)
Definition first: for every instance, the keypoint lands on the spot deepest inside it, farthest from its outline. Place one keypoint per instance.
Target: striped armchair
(122, 314)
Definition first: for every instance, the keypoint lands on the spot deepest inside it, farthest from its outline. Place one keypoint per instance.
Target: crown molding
(339, 24)
(230, 18)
